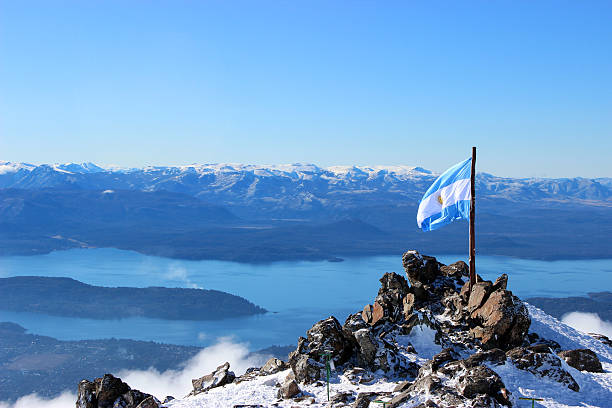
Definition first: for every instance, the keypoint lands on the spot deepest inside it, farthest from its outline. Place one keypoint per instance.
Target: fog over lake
(297, 294)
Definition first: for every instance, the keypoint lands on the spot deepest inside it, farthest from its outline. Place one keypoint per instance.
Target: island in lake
(71, 298)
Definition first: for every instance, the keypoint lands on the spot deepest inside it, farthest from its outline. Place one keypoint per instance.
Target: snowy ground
(595, 389)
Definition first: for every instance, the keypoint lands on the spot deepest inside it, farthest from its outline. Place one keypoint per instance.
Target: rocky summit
(426, 340)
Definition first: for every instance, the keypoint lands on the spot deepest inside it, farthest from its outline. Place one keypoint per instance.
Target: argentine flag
(447, 199)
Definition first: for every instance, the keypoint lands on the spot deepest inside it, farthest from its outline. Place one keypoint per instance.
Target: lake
(297, 294)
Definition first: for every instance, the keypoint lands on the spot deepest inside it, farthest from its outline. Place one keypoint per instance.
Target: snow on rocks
(427, 341)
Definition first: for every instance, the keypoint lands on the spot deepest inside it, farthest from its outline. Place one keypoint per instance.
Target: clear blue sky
(329, 82)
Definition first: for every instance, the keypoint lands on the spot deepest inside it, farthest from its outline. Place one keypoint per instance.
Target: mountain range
(254, 213)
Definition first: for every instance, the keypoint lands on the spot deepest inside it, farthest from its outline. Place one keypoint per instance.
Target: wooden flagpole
(472, 216)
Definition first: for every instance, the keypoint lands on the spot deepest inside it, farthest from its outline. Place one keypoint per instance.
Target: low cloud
(178, 382)
(180, 273)
(588, 323)
(171, 382)
(65, 400)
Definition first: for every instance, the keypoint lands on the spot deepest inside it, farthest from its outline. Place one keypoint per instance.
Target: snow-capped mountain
(293, 185)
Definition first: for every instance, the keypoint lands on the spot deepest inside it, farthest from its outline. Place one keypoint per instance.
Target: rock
(86, 397)
(110, 392)
(542, 364)
(358, 375)
(326, 336)
(456, 270)
(535, 340)
(503, 319)
(341, 398)
(367, 314)
(149, 402)
(353, 323)
(426, 384)
(465, 291)
(288, 390)
(427, 404)
(582, 360)
(305, 369)
(443, 357)
(218, 378)
(501, 282)
(481, 380)
(368, 346)
(134, 398)
(363, 399)
(392, 282)
(273, 365)
(604, 339)
(494, 356)
(108, 389)
(402, 386)
(378, 312)
(399, 399)
(168, 399)
(408, 305)
(420, 268)
(480, 293)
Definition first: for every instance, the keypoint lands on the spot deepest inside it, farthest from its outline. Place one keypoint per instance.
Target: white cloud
(171, 382)
(178, 382)
(179, 272)
(65, 400)
(588, 323)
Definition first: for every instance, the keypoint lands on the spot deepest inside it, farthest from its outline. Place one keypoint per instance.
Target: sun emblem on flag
(440, 200)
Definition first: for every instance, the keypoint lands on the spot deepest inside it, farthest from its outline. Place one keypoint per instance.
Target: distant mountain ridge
(253, 213)
(298, 186)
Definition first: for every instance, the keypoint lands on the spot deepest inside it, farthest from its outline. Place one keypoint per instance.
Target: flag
(447, 199)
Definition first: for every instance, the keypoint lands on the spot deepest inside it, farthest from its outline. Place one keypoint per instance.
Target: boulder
(457, 270)
(481, 380)
(393, 282)
(149, 402)
(358, 375)
(326, 336)
(443, 357)
(353, 323)
(402, 386)
(218, 378)
(378, 313)
(368, 346)
(86, 397)
(543, 364)
(108, 389)
(480, 293)
(408, 305)
(494, 356)
(367, 314)
(272, 366)
(109, 392)
(501, 282)
(305, 369)
(604, 339)
(341, 398)
(363, 399)
(420, 268)
(502, 321)
(535, 340)
(399, 399)
(582, 360)
(288, 390)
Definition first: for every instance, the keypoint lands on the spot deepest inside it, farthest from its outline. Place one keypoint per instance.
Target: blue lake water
(297, 293)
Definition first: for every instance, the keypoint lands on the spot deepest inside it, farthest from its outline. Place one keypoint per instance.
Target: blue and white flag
(447, 199)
